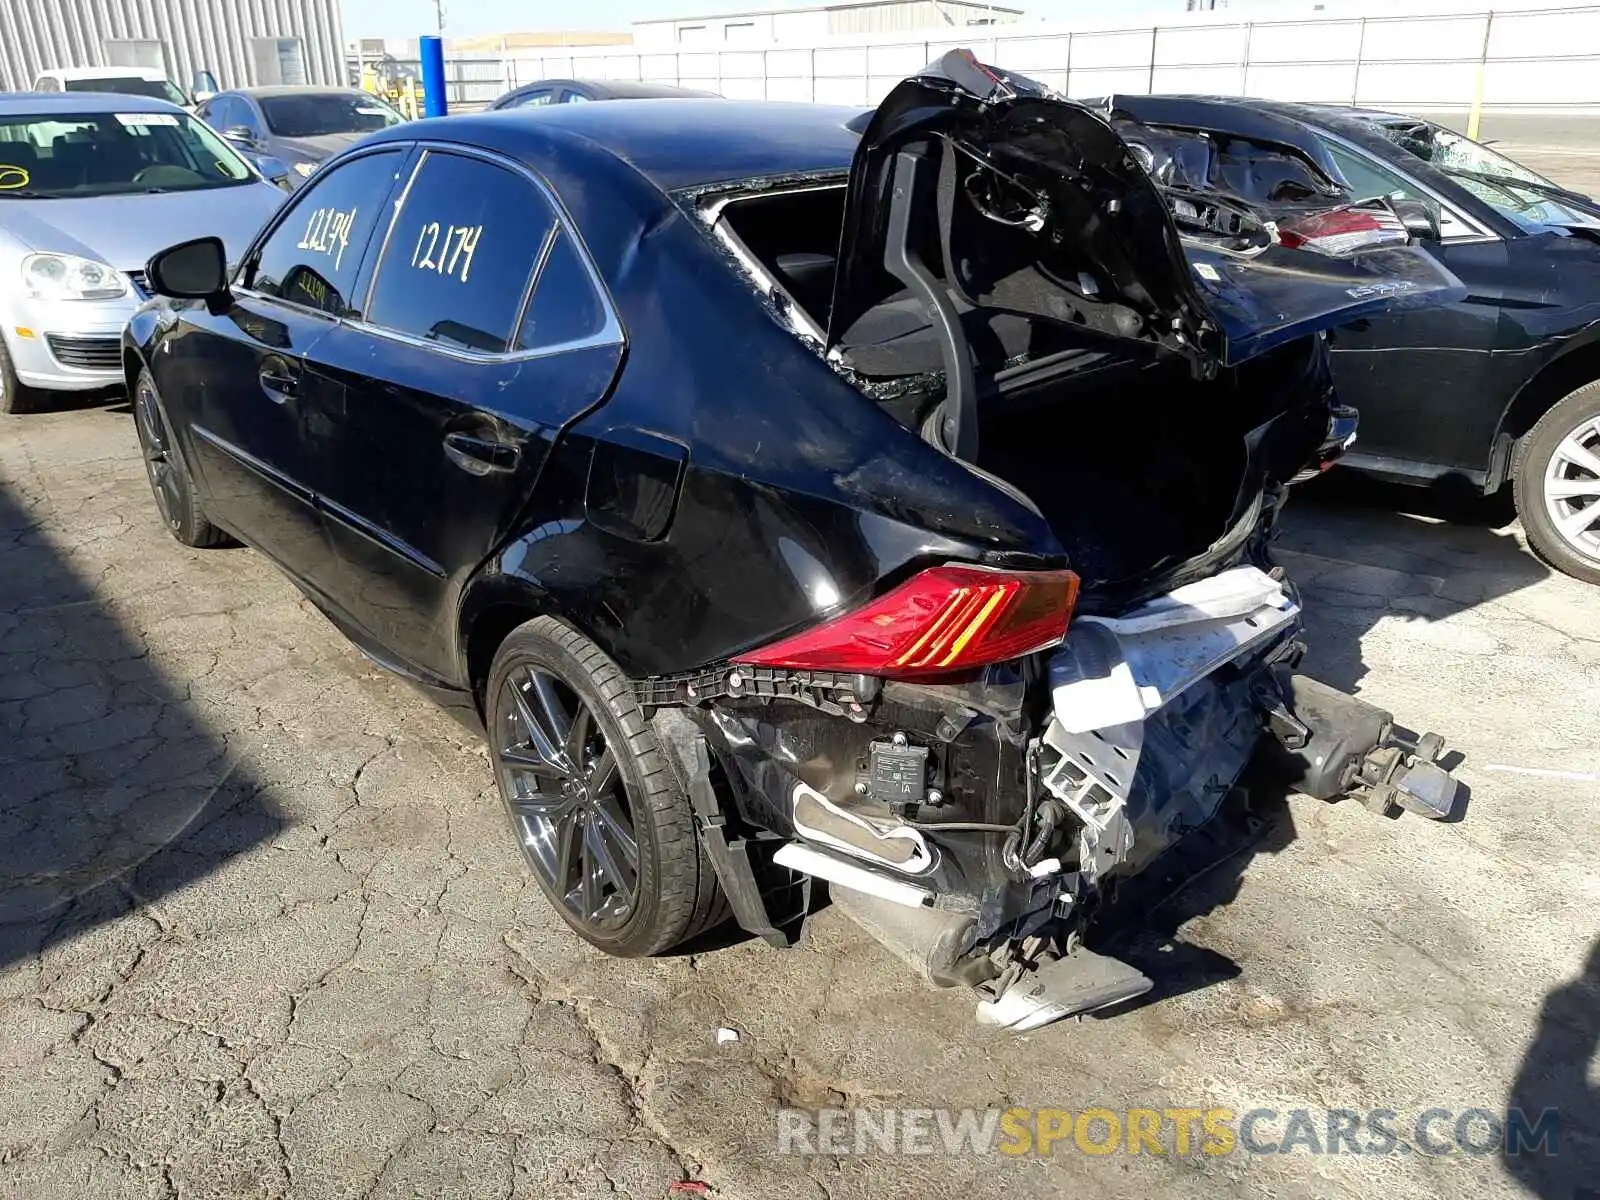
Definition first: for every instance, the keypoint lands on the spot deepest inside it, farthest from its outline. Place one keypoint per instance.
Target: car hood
(313, 149)
(125, 231)
(1031, 204)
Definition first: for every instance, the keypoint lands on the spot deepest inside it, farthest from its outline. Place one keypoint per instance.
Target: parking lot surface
(262, 931)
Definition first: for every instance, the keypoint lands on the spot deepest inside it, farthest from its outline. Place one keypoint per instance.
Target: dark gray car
(296, 126)
(578, 91)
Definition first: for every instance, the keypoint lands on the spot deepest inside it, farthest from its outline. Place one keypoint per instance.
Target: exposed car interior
(1145, 463)
(111, 153)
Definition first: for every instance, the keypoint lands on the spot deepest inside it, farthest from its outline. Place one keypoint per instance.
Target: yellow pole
(1476, 116)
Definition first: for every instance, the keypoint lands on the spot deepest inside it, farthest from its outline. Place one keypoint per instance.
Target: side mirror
(1417, 216)
(196, 270)
(239, 136)
(275, 171)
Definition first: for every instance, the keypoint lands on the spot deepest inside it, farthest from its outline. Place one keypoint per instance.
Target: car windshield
(111, 154)
(1524, 197)
(131, 85)
(1446, 150)
(327, 112)
(1530, 206)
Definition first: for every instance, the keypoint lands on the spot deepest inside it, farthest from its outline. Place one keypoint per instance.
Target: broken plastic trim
(835, 870)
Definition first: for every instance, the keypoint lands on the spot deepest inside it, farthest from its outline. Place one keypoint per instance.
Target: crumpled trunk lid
(1033, 205)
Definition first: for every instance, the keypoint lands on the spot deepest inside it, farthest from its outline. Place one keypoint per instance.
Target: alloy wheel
(566, 798)
(1572, 488)
(158, 460)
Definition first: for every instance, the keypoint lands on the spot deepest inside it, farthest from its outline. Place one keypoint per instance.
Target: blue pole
(434, 103)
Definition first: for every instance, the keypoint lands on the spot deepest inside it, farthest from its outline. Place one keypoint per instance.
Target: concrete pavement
(262, 932)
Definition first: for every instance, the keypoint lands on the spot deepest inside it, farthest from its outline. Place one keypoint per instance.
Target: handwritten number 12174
(446, 250)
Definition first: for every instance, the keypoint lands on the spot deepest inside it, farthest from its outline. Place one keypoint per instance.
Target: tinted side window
(311, 258)
(1370, 179)
(222, 114)
(245, 114)
(565, 307)
(1367, 179)
(457, 261)
(534, 98)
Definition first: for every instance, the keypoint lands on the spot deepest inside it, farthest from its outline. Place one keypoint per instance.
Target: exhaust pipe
(1331, 744)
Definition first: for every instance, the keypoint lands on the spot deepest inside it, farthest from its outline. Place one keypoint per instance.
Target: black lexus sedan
(1501, 387)
(796, 493)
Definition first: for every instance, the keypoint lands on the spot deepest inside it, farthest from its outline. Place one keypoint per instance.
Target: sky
(408, 18)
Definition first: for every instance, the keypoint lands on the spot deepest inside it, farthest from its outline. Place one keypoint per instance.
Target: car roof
(1321, 114)
(103, 73)
(1346, 113)
(292, 89)
(675, 143)
(616, 89)
(45, 104)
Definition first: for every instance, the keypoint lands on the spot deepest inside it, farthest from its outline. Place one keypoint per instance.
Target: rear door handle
(279, 381)
(480, 456)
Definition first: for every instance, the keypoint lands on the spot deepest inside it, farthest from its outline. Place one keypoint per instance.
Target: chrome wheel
(1572, 489)
(158, 460)
(566, 799)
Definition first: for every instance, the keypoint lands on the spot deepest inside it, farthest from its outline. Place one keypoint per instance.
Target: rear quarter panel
(794, 494)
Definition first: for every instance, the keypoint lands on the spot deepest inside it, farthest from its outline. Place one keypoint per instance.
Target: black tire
(170, 483)
(675, 894)
(15, 396)
(1539, 455)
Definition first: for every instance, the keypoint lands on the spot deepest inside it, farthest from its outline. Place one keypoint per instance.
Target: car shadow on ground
(1557, 1075)
(1359, 551)
(111, 399)
(107, 772)
(1201, 873)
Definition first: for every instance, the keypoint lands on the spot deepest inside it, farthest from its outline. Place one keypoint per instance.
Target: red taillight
(941, 620)
(1344, 230)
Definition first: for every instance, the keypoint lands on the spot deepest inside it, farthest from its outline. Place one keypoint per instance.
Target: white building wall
(1428, 54)
(748, 29)
(185, 35)
(808, 25)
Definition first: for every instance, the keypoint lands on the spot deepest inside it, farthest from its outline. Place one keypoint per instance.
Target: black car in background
(298, 126)
(582, 91)
(798, 493)
(1501, 387)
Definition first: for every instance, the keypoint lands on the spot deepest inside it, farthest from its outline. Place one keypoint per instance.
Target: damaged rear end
(974, 756)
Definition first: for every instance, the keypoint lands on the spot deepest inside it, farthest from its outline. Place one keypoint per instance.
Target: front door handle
(279, 380)
(480, 456)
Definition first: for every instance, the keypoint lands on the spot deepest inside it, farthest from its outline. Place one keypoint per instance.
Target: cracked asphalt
(262, 932)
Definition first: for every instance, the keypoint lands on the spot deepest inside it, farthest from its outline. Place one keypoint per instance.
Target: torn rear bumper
(976, 826)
